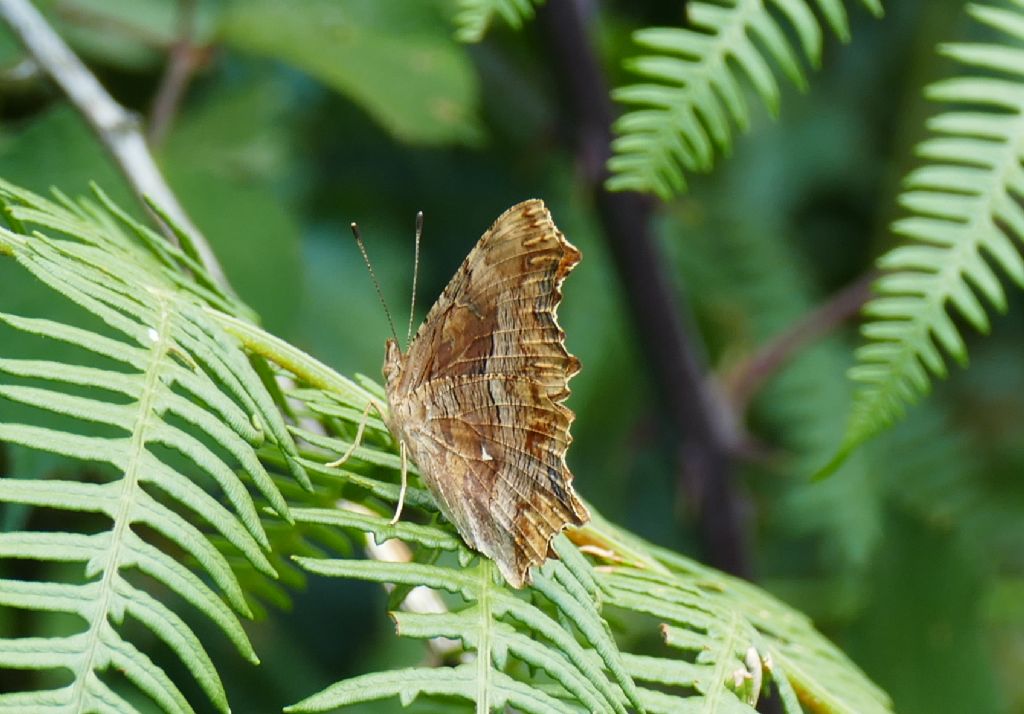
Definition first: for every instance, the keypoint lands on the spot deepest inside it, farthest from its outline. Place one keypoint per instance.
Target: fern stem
(483, 647)
(122, 518)
(600, 539)
(306, 368)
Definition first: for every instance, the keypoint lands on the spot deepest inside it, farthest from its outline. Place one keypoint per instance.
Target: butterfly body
(477, 398)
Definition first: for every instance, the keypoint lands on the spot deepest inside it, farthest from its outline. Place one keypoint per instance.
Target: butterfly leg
(359, 435)
(405, 485)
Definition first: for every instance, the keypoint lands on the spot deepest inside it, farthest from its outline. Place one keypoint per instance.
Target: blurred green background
(302, 117)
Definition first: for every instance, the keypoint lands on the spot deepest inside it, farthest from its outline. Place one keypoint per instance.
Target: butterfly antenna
(415, 272)
(373, 276)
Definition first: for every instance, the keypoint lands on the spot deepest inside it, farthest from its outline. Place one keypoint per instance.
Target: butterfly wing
(498, 313)
(479, 397)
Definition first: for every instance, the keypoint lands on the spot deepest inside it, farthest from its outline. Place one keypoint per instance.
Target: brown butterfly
(477, 400)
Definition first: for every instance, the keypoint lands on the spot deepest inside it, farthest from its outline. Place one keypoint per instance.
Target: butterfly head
(392, 362)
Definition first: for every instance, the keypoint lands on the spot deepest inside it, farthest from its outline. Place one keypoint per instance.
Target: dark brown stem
(185, 57)
(698, 414)
(746, 380)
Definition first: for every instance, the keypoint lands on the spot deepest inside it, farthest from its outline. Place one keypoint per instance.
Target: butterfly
(477, 400)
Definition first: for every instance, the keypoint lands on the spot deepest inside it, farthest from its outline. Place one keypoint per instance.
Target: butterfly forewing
(478, 397)
(497, 315)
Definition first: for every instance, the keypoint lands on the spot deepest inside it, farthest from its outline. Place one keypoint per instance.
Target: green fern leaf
(964, 222)
(687, 110)
(496, 624)
(735, 635)
(474, 17)
(175, 405)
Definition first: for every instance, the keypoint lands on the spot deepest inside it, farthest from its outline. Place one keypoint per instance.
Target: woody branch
(746, 380)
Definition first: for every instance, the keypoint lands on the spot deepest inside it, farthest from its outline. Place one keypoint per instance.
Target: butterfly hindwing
(504, 441)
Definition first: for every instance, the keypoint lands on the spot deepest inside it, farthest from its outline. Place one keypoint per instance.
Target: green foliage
(174, 405)
(714, 618)
(156, 20)
(926, 581)
(687, 110)
(386, 57)
(395, 60)
(746, 273)
(965, 219)
(475, 16)
(224, 159)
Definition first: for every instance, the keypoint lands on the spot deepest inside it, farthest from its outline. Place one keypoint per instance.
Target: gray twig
(116, 128)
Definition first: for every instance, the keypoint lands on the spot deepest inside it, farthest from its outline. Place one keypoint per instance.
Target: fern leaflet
(159, 400)
(474, 17)
(964, 220)
(695, 95)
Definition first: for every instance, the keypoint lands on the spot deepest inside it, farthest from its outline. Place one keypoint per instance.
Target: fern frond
(550, 648)
(474, 17)
(945, 484)
(727, 626)
(161, 401)
(965, 220)
(504, 630)
(687, 110)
